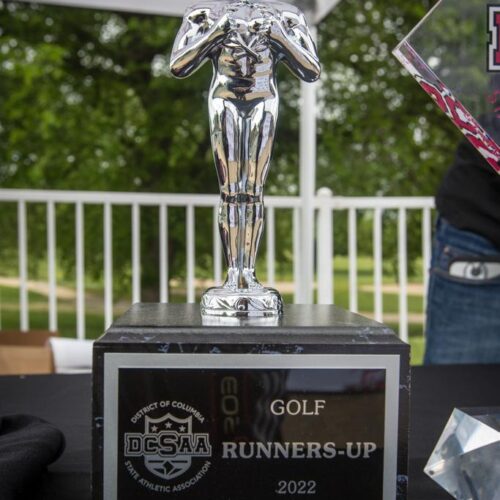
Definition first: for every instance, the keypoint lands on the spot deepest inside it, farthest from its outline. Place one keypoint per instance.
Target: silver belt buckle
(475, 270)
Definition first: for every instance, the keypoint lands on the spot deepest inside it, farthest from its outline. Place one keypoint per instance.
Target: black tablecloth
(65, 401)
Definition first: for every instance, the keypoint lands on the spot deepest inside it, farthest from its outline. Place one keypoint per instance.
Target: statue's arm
(198, 37)
(292, 39)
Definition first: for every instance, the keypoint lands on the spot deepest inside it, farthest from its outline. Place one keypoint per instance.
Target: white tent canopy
(316, 11)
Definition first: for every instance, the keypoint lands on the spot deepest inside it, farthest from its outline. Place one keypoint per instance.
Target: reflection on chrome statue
(245, 40)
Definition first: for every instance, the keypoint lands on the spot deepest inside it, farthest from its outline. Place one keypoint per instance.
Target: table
(64, 400)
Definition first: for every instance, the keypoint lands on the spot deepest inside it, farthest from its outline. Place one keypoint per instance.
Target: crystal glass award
(466, 460)
(454, 54)
(245, 41)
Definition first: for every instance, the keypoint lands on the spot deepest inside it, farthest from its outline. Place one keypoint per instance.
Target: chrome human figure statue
(245, 41)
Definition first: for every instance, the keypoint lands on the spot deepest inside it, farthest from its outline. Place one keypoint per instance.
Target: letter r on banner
(494, 41)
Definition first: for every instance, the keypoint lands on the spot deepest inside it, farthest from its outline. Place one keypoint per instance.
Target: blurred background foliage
(87, 103)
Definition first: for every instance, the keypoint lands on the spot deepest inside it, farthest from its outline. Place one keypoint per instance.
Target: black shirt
(469, 196)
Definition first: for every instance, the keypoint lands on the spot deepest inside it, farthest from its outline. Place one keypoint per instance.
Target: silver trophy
(245, 41)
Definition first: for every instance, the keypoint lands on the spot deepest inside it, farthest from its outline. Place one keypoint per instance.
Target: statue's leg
(226, 129)
(242, 142)
(261, 126)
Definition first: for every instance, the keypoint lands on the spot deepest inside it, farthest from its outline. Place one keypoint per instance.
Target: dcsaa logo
(168, 445)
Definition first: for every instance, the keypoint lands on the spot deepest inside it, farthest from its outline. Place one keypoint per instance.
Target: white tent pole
(307, 188)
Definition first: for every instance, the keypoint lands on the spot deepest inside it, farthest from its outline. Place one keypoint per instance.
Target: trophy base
(261, 302)
(317, 400)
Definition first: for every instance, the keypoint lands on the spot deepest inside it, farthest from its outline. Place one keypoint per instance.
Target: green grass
(94, 314)
(417, 350)
(38, 314)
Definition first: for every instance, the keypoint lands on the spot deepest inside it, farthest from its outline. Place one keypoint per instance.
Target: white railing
(326, 206)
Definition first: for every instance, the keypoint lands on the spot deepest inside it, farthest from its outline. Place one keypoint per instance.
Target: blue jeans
(463, 316)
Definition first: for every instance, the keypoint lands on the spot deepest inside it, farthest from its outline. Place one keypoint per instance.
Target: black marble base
(313, 406)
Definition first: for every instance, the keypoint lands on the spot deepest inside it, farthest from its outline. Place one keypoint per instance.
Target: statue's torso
(238, 75)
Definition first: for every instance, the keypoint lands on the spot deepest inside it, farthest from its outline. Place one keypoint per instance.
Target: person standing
(463, 310)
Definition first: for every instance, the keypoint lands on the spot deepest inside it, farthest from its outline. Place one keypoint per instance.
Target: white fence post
(190, 256)
(353, 259)
(136, 253)
(217, 247)
(325, 247)
(51, 265)
(403, 275)
(271, 247)
(22, 243)
(378, 265)
(163, 221)
(297, 257)
(108, 265)
(80, 270)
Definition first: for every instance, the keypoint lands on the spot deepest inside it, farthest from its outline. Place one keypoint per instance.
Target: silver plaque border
(113, 362)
